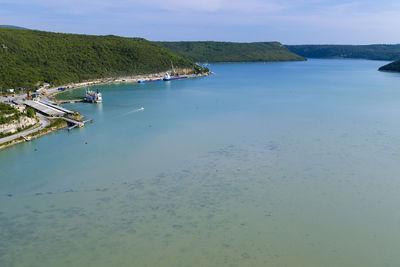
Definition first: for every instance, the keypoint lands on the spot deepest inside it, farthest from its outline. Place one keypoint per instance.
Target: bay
(260, 164)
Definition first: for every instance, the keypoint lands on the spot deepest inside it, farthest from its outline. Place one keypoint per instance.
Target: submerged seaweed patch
(139, 208)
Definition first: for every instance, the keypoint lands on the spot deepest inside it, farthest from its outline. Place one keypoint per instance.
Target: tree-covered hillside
(373, 52)
(232, 52)
(28, 57)
(394, 66)
(12, 27)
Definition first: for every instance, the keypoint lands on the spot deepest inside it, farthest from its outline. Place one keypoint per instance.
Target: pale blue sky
(287, 21)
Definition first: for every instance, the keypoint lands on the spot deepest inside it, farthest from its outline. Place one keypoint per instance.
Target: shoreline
(45, 131)
(53, 92)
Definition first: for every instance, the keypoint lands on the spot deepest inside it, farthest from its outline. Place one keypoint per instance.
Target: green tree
(30, 112)
(34, 57)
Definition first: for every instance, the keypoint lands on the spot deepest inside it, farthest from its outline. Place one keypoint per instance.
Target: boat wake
(134, 111)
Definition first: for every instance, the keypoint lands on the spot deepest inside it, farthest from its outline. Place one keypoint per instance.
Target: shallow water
(281, 164)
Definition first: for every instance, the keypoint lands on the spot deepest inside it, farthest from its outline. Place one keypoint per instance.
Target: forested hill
(28, 57)
(373, 52)
(394, 66)
(12, 27)
(232, 52)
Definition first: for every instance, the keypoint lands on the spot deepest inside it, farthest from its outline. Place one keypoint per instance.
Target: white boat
(168, 77)
(93, 97)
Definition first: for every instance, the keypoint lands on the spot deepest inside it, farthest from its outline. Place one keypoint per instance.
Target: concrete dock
(70, 101)
(53, 105)
(49, 108)
(44, 109)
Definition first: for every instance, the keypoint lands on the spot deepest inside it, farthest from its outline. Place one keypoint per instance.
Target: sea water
(260, 164)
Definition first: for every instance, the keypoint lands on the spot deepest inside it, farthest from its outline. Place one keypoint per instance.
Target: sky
(286, 21)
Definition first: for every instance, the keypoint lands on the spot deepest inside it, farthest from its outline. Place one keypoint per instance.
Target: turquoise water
(281, 164)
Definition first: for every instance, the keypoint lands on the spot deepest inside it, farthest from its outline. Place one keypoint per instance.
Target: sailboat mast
(173, 69)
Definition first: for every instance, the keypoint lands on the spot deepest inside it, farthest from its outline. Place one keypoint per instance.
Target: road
(11, 98)
(44, 123)
(21, 97)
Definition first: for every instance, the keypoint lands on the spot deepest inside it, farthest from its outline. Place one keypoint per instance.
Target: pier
(53, 105)
(50, 109)
(71, 101)
(44, 109)
(75, 123)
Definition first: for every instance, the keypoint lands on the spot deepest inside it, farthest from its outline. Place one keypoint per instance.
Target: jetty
(50, 109)
(76, 123)
(71, 101)
(44, 109)
(53, 105)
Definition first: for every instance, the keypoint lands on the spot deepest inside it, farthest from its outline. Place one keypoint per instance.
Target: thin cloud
(218, 5)
(91, 6)
(242, 20)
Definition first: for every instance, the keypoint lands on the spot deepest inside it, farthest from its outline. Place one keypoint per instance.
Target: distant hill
(373, 52)
(394, 66)
(28, 57)
(232, 52)
(12, 27)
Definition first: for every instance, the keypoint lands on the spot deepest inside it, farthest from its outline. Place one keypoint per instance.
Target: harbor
(46, 111)
(44, 102)
(50, 109)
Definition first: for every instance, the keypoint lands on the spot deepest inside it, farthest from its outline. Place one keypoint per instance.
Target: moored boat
(168, 77)
(93, 97)
(150, 80)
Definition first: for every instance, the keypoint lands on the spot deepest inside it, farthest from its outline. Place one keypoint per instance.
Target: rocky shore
(16, 126)
(14, 119)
